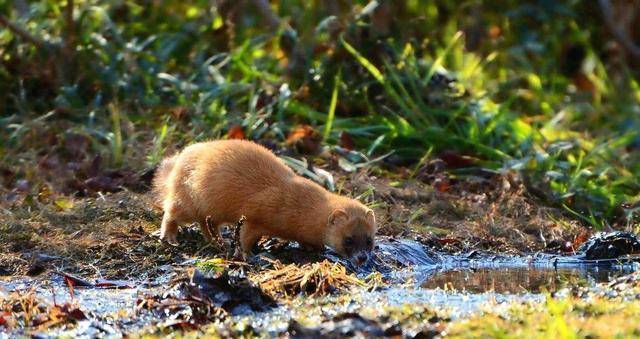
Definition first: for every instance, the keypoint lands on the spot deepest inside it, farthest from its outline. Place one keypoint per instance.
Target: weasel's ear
(338, 217)
(370, 216)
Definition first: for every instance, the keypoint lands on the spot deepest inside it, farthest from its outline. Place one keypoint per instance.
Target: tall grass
(488, 81)
(588, 177)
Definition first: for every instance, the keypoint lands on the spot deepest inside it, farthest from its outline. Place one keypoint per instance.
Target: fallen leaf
(66, 311)
(74, 280)
(236, 132)
(447, 241)
(346, 142)
(494, 32)
(115, 284)
(40, 319)
(63, 203)
(3, 318)
(179, 112)
(583, 83)
(442, 185)
(304, 139)
(76, 145)
(455, 160)
(581, 238)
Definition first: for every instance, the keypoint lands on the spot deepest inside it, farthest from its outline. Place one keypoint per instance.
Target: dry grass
(313, 279)
(110, 236)
(23, 309)
(493, 213)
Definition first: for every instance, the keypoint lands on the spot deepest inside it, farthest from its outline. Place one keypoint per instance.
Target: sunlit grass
(432, 83)
(555, 318)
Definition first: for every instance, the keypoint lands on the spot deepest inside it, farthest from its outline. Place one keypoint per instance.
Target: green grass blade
(443, 54)
(332, 106)
(363, 61)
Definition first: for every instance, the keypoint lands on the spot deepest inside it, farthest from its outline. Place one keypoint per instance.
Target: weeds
(555, 318)
(476, 86)
(26, 310)
(313, 279)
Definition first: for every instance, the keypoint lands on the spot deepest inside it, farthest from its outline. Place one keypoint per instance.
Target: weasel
(227, 179)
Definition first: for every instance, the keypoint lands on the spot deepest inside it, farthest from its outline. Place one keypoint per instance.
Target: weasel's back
(234, 160)
(228, 174)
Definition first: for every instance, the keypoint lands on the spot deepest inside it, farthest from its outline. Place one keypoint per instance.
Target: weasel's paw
(245, 256)
(169, 239)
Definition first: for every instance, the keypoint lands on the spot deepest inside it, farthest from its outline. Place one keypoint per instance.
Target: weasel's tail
(161, 180)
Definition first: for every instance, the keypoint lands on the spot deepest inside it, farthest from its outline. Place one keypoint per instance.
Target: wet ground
(93, 267)
(222, 299)
(78, 257)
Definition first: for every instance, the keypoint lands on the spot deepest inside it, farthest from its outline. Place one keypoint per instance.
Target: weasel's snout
(360, 258)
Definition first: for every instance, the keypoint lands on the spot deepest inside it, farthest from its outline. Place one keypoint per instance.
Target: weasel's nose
(361, 258)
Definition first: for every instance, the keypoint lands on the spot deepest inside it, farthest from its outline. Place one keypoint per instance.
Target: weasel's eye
(348, 241)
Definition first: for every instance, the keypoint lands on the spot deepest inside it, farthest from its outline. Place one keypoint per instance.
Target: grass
(593, 313)
(504, 126)
(314, 279)
(555, 318)
(332, 107)
(27, 310)
(154, 84)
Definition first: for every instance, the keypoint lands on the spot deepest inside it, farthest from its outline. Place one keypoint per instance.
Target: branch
(17, 30)
(618, 33)
(70, 40)
(69, 12)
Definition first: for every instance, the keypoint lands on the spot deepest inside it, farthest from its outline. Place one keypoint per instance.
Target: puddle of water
(520, 280)
(460, 284)
(97, 300)
(369, 304)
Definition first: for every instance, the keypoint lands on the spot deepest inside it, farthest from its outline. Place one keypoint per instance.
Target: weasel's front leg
(169, 229)
(249, 235)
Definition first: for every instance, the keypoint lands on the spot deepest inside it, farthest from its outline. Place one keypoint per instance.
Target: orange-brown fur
(227, 179)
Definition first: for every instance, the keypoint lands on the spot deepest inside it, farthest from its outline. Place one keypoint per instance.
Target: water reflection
(519, 279)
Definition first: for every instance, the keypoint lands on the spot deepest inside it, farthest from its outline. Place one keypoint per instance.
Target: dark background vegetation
(93, 93)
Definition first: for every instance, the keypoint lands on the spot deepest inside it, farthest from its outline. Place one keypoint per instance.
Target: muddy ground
(110, 235)
(94, 266)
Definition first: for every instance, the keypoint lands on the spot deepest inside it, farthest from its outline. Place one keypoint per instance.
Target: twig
(71, 30)
(267, 13)
(69, 11)
(19, 31)
(235, 249)
(236, 233)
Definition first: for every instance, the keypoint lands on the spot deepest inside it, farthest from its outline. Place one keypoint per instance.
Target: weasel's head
(351, 231)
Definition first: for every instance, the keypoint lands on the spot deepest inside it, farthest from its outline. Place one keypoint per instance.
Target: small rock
(610, 245)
